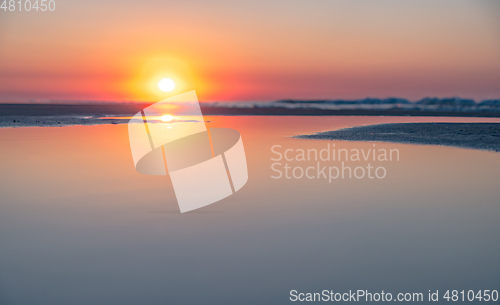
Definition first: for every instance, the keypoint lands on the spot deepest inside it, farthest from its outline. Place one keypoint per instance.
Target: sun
(166, 85)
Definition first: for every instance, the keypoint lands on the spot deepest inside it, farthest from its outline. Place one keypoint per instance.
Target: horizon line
(49, 101)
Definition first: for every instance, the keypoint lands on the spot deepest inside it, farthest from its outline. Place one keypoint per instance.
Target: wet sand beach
(485, 136)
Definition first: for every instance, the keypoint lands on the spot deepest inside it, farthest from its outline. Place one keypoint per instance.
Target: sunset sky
(252, 50)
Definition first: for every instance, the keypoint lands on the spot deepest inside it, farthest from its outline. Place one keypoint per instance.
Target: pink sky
(252, 50)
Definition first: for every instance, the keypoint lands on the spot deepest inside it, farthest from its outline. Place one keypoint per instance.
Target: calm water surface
(78, 224)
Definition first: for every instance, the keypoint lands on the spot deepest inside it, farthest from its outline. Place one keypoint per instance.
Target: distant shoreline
(129, 109)
(46, 115)
(329, 112)
(483, 136)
